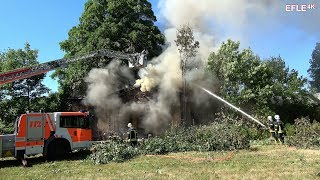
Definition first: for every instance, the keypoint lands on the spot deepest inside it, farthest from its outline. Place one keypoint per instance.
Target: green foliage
(225, 134)
(222, 135)
(49, 103)
(314, 69)
(6, 128)
(290, 129)
(187, 46)
(307, 134)
(22, 95)
(262, 142)
(255, 133)
(30, 87)
(156, 146)
(113, 151)
(121, 25)
(265, 87)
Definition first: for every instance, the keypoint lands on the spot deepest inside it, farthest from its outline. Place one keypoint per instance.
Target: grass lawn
(259, 162)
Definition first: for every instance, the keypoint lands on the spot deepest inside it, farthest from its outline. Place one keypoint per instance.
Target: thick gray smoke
(241, 19)
(213, 21)
(103, 85)
(129, 111)
(166, 75)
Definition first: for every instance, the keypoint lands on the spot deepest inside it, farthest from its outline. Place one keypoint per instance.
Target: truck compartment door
(35, 134)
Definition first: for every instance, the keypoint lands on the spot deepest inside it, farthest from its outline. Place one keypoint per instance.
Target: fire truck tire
(58, 148)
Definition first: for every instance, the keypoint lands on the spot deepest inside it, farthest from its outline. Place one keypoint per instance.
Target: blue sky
(46, 23)
(41, 23)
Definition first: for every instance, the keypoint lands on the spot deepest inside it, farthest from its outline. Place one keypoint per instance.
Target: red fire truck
(50, 134)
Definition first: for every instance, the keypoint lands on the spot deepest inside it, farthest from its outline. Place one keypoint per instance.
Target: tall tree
(187, 47)
(186, 43)
(314, 69)
(19, 96)
(261, 87)
(121, 25)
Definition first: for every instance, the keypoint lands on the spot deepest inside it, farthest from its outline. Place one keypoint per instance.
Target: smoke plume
(213, 21)
(165, 73)
(241, 19)
(101, 93)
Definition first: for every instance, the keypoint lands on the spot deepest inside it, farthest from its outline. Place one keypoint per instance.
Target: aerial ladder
(135, 60)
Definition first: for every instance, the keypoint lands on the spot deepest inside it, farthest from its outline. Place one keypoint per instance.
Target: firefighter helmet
(277, 117)
(129, 125)
(270, 118)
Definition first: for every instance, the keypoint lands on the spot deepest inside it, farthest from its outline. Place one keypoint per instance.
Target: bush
(306, 134)
(155, 146)
(221, 135)
(290, 130)
(224, 134)
(113, 151)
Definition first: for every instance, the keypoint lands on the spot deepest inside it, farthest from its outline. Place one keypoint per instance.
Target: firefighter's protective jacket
(132, 135)
(279, 127)
(271, 126)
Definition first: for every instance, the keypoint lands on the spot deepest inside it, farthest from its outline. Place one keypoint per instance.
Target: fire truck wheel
(58, 148)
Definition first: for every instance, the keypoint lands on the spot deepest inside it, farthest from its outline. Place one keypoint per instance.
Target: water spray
(234, 107)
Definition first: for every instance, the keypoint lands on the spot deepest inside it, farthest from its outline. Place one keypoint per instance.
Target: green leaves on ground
(113, 151)
(222, 135)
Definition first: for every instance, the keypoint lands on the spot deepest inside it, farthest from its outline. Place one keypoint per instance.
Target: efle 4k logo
(300, 7)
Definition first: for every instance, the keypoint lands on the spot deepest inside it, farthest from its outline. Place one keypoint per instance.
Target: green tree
(260, 87)
(48, 103)
(289, 97)
(314, 69)
(19, 96)
(121, 25)
(186, 43)
(187, 47)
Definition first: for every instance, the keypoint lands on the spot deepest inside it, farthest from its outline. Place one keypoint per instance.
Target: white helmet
(270, 118)
(129, 125)
(277, 117)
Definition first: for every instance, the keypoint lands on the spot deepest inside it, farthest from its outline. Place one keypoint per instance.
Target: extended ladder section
(135, 60)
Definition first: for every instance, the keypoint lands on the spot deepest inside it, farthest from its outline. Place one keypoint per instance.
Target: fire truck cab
(51, 134)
